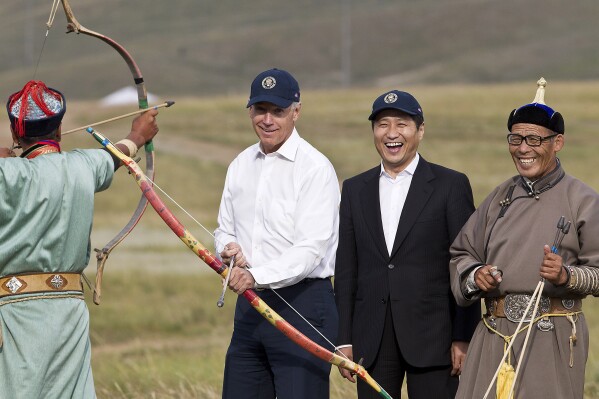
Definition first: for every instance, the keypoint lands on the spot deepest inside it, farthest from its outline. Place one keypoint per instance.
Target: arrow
(116, 118)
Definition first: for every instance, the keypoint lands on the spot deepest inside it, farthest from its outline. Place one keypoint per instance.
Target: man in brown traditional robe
(506, 248)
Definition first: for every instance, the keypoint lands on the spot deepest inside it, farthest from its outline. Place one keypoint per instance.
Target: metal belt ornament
(102, 255)
(146, 186)
(516, 304)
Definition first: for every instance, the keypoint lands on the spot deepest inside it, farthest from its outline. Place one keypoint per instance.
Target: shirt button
(391, 266)
(383, 301)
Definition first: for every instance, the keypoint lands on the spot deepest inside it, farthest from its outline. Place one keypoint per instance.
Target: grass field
(158, 333)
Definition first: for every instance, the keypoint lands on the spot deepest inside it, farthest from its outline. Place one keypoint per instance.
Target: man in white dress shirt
(279, 217)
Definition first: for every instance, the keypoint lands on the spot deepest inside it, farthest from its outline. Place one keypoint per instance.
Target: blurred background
(158, 332)
(199, 47)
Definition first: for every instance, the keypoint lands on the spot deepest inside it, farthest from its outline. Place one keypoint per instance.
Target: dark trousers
(390, 367)
(262, 363)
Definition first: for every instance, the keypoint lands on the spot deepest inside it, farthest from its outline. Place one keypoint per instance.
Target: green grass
(158, 333)
(161, 336)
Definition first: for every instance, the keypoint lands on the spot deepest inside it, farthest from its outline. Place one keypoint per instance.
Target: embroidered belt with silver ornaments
(513, 306)
(12, 287)
(37, 283)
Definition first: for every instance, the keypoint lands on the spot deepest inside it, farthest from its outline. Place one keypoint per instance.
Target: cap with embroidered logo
(274, 86)
(396, 99)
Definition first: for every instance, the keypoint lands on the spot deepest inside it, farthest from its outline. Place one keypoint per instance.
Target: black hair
(418, 120)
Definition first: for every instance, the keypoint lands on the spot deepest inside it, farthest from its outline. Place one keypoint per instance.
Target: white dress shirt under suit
(392, 197)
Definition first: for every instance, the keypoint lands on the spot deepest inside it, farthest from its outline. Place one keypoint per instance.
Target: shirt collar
(545, 182)
(289, 148)
(409, 170)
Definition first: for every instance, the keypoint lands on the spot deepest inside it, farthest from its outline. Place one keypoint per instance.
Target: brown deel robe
(514, 243)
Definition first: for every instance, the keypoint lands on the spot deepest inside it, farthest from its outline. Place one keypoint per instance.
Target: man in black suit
(397, 221)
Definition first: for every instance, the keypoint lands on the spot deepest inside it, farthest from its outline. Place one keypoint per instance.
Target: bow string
(149, 195)
(147, 187)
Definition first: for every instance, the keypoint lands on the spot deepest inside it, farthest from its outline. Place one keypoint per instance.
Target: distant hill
(200, 47)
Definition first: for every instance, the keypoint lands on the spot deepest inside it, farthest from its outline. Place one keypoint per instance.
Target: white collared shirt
(282, 208)
(392, 197)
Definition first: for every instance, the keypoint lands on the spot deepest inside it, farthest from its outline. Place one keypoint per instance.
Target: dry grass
(156, 340)
(158, 333)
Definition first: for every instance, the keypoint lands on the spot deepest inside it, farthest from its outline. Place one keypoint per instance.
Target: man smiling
(534, 160)
(504, 250)
(392, 289)
(279, 214)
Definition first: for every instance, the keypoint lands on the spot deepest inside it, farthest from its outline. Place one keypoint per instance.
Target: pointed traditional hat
(538, 113)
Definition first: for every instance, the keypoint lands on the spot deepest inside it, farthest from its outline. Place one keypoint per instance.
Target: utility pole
(346, 43)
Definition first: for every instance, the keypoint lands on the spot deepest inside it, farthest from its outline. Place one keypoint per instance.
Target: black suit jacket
(414, 280)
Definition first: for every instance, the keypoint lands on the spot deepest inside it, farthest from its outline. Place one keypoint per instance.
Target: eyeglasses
(531, 140)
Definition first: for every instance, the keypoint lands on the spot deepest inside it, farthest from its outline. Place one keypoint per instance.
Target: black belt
(313, 279)
(304, 281)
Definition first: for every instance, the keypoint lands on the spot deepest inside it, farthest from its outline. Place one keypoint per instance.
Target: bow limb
(73, 25)
(146, 186)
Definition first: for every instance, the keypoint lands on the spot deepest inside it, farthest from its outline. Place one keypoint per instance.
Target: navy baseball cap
(396, 99)
(274, 86)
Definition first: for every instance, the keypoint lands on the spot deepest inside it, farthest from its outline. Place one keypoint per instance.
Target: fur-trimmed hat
(538, 113)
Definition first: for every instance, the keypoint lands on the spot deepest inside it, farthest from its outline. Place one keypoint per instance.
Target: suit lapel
(371, 209)
(418, 195)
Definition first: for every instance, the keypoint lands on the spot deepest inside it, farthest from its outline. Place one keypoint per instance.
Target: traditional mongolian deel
(46, 210)
(509, 230)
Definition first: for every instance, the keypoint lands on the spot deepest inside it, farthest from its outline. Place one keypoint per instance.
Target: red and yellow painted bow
(146, 186)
